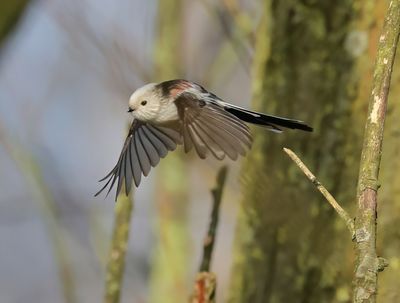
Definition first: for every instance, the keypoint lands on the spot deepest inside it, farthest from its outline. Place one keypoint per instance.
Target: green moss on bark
(368, 263)
(292, 247)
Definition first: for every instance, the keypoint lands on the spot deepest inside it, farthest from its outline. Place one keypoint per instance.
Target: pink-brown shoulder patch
(180, 88)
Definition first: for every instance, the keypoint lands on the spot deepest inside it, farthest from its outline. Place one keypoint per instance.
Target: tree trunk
(310, 65)
(389, 196)
(368, 264)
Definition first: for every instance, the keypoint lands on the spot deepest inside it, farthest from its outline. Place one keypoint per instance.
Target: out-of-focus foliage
(10, 12)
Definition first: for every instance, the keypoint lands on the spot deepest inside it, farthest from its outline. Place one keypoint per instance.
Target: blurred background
(67, 69)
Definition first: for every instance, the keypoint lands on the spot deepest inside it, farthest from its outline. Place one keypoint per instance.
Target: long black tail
(272, 122)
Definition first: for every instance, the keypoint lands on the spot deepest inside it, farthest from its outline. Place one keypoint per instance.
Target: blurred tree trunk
(170, 275)
(313, 62)
(10, 12)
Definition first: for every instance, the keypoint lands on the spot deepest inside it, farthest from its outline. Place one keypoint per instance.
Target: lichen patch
(374, 113)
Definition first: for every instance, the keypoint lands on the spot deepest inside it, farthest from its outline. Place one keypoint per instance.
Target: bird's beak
(130, 110)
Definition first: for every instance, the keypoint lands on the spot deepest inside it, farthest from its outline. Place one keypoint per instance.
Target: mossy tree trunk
(307, 66)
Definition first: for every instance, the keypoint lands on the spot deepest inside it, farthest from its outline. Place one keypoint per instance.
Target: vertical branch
(205, 284)
(169, 275)
(209, 241)
(367, 264)
(119, 243)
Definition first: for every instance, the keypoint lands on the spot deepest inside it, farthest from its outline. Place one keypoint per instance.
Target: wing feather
(208, 127)
(233, 122)
(134, 164)
(142, 156)
(228, 134)
(128, 173)
(121, 174)
(157, 143)
(143, 148)
(210, 141)
(198, 143)
(168, 141)
(225, 140)
(151, 152)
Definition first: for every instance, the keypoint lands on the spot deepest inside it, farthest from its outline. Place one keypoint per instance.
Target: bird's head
(144, 104)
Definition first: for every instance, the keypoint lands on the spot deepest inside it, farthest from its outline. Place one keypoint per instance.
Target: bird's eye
(144, 102)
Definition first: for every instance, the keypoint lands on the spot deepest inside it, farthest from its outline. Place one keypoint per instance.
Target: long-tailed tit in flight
(181, 112)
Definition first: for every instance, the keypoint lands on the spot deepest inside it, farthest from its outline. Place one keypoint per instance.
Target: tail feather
(272, 122)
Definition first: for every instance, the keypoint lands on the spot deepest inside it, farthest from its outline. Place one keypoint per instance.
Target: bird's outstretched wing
(208, 127)
(143, 148)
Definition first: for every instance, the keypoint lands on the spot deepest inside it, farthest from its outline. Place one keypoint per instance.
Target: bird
(181, 112)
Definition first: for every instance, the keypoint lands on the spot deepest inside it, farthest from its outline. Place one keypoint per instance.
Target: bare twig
(331, 200)
(368, 263)
(205, 285)
(210, 238)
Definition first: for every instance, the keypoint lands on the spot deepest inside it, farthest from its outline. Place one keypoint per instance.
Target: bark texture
(310, 64)
(388, 242)
(368, 264)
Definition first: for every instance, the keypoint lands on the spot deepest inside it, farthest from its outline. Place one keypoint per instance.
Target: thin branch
(209, 241)
(205, 285)
(328, 196)
(368, 264)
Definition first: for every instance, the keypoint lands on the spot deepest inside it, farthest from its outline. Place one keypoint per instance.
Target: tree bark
(368, 264)
(291, 246)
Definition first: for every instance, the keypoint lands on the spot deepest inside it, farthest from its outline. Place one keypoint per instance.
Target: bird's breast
(167, 113)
